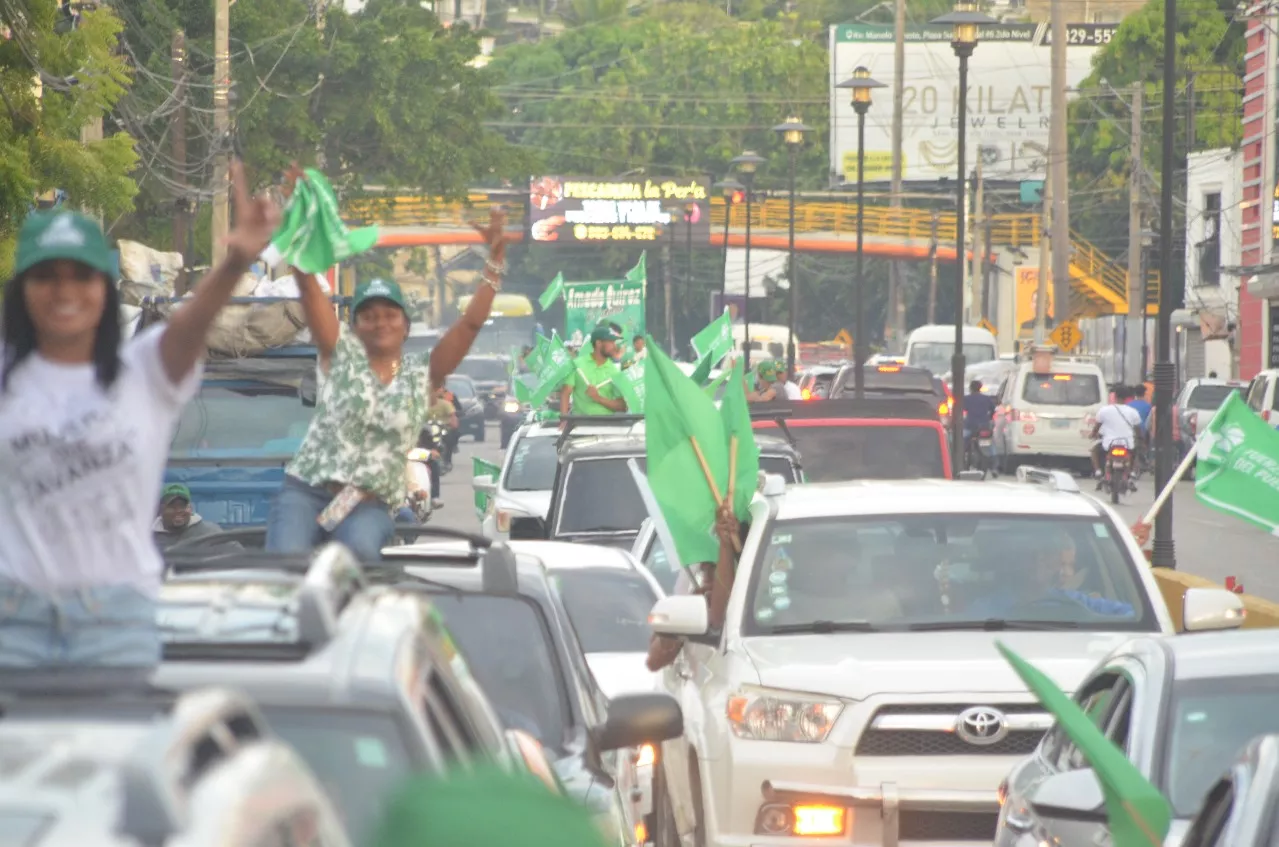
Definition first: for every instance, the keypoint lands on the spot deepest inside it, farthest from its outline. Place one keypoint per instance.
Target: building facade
(1259, 293)
(1208, 326)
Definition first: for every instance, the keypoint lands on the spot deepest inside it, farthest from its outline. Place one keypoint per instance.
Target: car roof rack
(499, 567)
(1048, 478)
(776, 415)
(571, 422)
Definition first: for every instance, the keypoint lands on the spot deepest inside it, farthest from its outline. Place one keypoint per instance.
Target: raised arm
(183, 341)
(321, 319)
(457, 342)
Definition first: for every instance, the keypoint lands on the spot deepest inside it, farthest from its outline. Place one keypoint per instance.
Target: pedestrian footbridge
(1099, 284)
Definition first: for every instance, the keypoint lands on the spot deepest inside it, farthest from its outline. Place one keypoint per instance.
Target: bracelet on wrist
(498, 268)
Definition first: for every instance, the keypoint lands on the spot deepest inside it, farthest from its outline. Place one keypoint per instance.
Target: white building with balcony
(1206, 328)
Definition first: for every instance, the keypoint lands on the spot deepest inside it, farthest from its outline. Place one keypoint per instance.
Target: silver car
(1181, 707)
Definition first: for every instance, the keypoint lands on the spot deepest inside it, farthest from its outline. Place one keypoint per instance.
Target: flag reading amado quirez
(1237, 470)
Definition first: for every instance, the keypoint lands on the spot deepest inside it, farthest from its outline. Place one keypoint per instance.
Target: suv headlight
(762, 714)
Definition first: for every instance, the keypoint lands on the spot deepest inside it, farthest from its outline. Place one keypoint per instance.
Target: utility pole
(979, 215)
(221, 225)
(895, 319)
(666, 295)
(1133, 360)
(932, 270)
(178, 135)
(1045, 262)
(990, 309)
(1059, 145)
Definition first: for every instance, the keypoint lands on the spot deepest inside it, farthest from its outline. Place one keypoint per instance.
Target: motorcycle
(977, 451)
(1118, 463)
(440, 440)
(419, 479)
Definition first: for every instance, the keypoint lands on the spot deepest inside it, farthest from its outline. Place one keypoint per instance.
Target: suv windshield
(609, 608)
(1212, 719)
(357, 756)
(533, 464)
(946, 571)
(1209, 396)
(935, 355)
(840, 452)
(600, 496)
(485, 370)
(1058, 389)
(508, 648)
(463, 388)
(242, 417)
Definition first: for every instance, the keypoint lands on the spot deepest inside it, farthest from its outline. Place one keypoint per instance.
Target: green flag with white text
(311, 236)
(554, 366)
(639, 273)
(1237, 468)
(631, 387)
(715, 340)
(1138, 814)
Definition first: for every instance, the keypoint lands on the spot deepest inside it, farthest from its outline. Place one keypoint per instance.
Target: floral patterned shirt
(363, 430)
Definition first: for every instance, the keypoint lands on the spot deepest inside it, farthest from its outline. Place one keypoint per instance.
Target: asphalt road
(1208, 543)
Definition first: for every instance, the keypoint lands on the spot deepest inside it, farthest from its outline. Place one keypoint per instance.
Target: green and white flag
(1237, 469)
(311, 237)
(715, 340)
(639, 273)
(631, 386)
(554, 367)
(553, 292)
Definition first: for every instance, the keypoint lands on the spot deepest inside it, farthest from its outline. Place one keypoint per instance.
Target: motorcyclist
(1116, 424)
(979, 411)
(1143, 407)
(443, 412)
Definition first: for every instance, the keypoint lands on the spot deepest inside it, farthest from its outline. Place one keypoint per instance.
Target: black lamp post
(746, 165)
(860, 85)
(792, 134)
(727, 188)
(1163, 553)
(965, 19)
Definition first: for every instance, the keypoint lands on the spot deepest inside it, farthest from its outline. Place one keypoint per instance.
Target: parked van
(768, 341)
(932, 346)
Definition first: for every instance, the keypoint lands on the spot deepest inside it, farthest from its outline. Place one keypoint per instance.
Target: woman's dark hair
(18, 332)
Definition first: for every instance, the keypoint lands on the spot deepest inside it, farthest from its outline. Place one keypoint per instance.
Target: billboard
(1026, 300)
(1009, 98)
(589, 210)
(588, 304)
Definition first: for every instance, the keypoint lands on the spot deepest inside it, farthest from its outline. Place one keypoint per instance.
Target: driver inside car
(1035, 579)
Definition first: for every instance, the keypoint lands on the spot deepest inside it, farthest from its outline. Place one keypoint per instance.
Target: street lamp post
(965, 19)
(860, 85)
(792, 135)
(727, 188)
(1163, 553)
(747, 164)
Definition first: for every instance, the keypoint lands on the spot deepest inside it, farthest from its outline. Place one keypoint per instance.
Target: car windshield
(887, 379)
(600, 496)
(485, 370)
(896, 572)
(533, 465)
(608, 606)
(936, 355)
(1212, 719)
(1059, 389)
(241, 417)
(840, 452)
(508, 648)
(1209, 397)
(463, 388)
(357, 756)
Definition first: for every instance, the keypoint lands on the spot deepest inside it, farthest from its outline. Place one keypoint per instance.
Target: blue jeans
(291, 526)
(106, 625)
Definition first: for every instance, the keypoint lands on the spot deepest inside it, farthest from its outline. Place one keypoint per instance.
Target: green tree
(81, 78)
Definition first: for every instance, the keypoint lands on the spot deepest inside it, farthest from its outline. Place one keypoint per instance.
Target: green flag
(1138, 814)
(677, 414)
(712, 388)
(1238, 465)
(552, 292)
(537, 356)
(736, 415)
(480, 467)
(311, 237)
(555, 366)
(715, 340)
(639, 273)
(631, 386)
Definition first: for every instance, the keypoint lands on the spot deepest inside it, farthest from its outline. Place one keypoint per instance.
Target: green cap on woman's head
(63, 235)
(766, 369)
(378, 289)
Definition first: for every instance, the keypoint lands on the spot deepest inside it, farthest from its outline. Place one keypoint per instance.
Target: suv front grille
(947, 826)
(932, 729)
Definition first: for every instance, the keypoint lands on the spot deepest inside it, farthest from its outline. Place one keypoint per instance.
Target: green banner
(587, 304)
(480, 467)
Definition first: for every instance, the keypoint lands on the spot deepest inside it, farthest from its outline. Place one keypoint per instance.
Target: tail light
(503, 520)
(1193, 422)
(806, 394)
(1176, 424)
(1265, 416)
(985, 433)
(943, 409)
(1119, 451)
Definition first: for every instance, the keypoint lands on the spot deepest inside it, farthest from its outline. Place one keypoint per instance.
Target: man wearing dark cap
(177, 521)
(591, 389)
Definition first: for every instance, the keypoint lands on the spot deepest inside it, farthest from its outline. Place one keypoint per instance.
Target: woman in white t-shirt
(86, 419)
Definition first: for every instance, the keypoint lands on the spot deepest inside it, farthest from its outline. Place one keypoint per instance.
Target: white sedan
(523, 488)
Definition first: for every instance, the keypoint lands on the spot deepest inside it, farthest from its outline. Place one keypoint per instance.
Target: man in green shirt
(590, 388)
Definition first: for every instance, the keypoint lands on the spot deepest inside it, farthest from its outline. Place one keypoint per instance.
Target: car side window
(1256, 393)
(1211, 824)
(1098, 699)
(446, 721)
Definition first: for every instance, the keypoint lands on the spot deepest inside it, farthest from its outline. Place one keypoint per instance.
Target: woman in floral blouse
(348, 477)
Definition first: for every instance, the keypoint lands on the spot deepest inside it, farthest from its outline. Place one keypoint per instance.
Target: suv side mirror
(484, 483)
(680, 615)
(1070, 796)
(1209, 609)
(527, 528)
(637, 719)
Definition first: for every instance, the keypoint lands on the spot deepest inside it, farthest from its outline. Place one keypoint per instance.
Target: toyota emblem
(981, 726)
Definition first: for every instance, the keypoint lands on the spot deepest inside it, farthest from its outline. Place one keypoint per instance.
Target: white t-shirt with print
(792, 391)
(1117, 425)
(81, 469)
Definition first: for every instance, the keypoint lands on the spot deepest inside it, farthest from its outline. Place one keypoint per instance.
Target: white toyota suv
(855, 695)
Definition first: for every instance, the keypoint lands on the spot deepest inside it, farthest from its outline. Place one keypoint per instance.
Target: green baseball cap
(63, 235)
(604, 332)
(378, 289)
(175, 491)
(766, 369)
